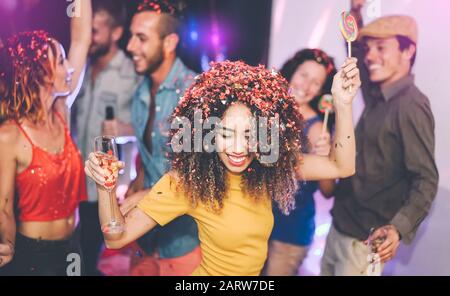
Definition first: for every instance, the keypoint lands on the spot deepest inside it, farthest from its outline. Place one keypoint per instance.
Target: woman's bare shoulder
(9, 133)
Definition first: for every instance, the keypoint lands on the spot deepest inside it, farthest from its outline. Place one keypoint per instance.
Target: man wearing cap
(396, 176)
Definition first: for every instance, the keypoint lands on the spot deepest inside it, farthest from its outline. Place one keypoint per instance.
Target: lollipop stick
(349, 49)
(349, 55)
(325, 121)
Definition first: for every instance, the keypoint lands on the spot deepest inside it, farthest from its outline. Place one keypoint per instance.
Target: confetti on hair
(28, 47)
(25, 64)
(230, 81)
(266, 93)
(159, 6)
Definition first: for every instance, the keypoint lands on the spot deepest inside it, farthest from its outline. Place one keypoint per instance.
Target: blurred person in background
(103, 107)
(310, 73)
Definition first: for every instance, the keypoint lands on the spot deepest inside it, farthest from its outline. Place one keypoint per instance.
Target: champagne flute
(105, 148)
(374, 260)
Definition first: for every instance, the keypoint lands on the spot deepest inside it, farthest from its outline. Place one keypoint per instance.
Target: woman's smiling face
(233, 138)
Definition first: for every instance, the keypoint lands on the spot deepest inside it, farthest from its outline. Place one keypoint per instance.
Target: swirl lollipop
(326, 106)
(349, 29)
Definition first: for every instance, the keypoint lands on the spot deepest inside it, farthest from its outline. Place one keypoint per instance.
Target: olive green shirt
(396, 176)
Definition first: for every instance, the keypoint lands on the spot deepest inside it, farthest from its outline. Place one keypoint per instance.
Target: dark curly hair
(266, 93)
(319, 56)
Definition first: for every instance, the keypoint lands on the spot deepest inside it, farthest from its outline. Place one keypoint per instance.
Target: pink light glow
(215, 39)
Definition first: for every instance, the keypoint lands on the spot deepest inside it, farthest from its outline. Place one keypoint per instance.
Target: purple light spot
(215, 39)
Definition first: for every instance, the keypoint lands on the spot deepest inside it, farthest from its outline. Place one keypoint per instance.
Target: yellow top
(233, 242)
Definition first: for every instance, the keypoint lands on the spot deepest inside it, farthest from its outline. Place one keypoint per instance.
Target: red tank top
(53, 185)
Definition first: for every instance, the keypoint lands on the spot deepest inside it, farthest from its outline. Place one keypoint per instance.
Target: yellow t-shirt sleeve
(163, 203)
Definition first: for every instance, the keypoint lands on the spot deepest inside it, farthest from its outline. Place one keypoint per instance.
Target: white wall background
(302, 23)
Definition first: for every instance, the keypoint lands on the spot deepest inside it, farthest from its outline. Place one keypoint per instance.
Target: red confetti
(110, 184)
(158, 6)
(265, 91)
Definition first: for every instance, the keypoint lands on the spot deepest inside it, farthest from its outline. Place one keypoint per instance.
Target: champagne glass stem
(111, 204)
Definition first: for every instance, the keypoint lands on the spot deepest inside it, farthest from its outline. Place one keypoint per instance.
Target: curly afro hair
(266, 93)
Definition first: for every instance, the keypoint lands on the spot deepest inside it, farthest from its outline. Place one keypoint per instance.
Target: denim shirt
(181, 235)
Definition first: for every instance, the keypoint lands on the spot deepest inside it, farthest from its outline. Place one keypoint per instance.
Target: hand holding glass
(105, 149)
(373, 243)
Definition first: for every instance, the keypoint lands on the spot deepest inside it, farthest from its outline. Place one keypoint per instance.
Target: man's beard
(155, 62)
(100, 51)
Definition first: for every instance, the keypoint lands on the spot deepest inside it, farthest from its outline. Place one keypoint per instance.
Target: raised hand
(346, 83)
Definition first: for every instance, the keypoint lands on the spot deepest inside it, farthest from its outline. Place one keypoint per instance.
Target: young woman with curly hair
(41, 171)
(229, 190)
